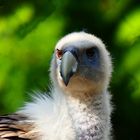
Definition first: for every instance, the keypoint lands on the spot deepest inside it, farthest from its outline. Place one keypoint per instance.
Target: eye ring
(59, 53)
(90, 52)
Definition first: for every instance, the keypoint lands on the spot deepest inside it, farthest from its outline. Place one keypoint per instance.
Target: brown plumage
(16, 127)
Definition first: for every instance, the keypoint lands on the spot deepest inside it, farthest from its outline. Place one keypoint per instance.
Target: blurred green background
(29, 30)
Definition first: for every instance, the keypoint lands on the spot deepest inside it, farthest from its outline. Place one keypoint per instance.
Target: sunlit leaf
(129, 28)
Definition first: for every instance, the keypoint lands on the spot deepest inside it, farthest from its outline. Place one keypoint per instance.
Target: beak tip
(66, 83)
(65, 79)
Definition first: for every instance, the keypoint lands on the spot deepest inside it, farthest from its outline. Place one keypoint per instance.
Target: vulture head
(80, 64)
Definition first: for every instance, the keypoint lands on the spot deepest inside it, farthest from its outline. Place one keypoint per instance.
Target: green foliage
(24, 61)
(129, 29)
(29, 30)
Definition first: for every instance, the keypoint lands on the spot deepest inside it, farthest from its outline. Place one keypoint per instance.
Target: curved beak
(68, 66)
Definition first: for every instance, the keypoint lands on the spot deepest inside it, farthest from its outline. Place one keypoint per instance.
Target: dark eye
(59, 53)
(90, 52)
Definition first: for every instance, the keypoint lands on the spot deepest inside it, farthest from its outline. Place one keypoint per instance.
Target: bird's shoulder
(16, 127)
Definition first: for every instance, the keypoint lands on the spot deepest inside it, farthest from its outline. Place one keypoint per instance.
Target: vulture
(78, 105)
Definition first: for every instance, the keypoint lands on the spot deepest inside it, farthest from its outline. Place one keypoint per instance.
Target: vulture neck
(90, 116)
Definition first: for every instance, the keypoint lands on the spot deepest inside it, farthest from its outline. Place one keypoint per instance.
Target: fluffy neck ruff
(65, 117)
(90, 116)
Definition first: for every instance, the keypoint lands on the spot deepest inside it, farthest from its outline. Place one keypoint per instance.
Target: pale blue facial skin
(88, 63)
(82, 58)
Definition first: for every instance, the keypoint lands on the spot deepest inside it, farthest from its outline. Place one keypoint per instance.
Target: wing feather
(16, 127)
